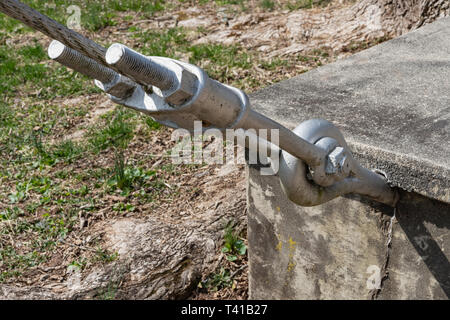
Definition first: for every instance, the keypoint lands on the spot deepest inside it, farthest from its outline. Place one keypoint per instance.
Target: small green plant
(104, 256)
(126, 178)
(41, 151)
(116, 134)
(152, 124)
(66, 150)
(77, 264)
(218, 280)
(121, 207)
(268, 5)
(120, 179)
(233, 245)
(11, 213)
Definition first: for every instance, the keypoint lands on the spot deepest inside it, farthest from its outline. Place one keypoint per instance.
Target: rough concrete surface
(392, 103)
(348, 248)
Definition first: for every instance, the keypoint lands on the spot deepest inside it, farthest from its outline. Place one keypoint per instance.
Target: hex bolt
(78, 62)
(338, 162)
(140, 68)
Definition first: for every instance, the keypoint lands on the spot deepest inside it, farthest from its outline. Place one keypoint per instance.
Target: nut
(187, 86)
(121, 87)
(338, 162)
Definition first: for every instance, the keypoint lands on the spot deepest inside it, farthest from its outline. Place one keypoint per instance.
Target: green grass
(169, 43)
(216, 59)
(42, 208)
(11, 214)
(152, 124)
(25, 71)
(306, 4)
(117, 133)
(67, 150)
(45, 232)
(268, 5)
(7, 119)
(15, 263)
(228, 2)
(273, 64)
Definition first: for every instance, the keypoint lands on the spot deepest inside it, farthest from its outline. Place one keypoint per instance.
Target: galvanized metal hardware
(316, 164)
(317, 144)
(188, 95)
(176, 83)
(106, 79)
(338, 175)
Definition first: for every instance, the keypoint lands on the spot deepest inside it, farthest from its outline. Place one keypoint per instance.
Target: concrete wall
(333, 250)
(392, 103)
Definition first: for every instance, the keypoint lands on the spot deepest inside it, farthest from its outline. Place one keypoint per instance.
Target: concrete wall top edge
(391, 101)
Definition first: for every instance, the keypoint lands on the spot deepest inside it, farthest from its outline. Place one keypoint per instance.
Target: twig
(238, 270)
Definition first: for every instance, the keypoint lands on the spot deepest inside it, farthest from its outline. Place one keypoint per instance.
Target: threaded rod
(139, 67)
(78, 62)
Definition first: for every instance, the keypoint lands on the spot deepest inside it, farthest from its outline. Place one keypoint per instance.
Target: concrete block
(392, 103)
(348, 248)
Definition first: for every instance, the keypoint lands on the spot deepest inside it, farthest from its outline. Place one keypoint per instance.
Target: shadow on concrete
(424, 221)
